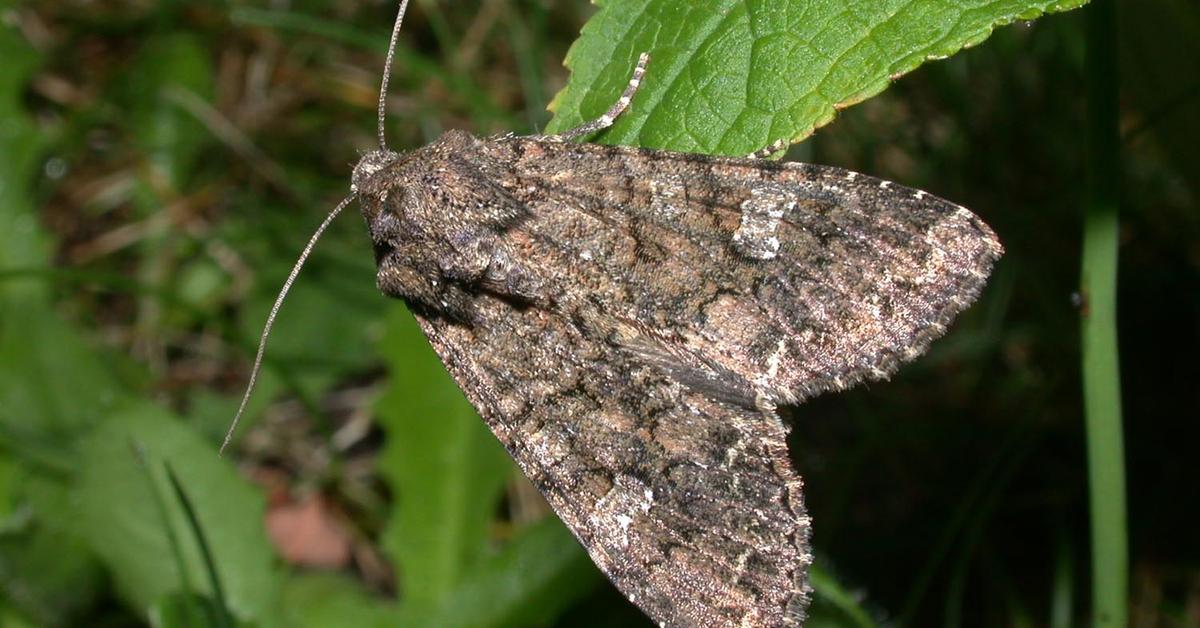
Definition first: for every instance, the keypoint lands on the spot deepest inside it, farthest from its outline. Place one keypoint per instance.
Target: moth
(627, 320)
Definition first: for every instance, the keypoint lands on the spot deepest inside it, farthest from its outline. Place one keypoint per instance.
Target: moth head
(370, 164)
(377, 160)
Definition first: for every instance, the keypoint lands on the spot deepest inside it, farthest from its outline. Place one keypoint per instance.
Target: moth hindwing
(626, 320)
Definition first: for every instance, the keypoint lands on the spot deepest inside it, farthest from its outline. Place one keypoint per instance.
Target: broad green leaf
(446, 469)
(448, 472)
(529, 583)
(9, 477)
(22, 243)
(10, 619)
(117, 515)
(323, 600)
(48, 569)
(732, 76)
(51, 383)
(182, 610)
(52, 578)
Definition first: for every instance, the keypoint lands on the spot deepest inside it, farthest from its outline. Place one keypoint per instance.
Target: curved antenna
(387, 72)
(262, 342)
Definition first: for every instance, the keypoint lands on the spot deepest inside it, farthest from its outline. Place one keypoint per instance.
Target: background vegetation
(161, 165)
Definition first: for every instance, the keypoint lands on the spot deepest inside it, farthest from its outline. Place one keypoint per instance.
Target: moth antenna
(387, 72)
(262, 342)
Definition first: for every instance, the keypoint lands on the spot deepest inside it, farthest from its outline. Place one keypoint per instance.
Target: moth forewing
(625, 321)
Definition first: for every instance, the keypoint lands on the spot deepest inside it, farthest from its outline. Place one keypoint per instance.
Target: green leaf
(332, 601)
(22, 243)
(529, 583)
(182, 610)
(732, 76)
(10, 619)
(52, 578)
(445, 467)
(117, 515)
(10, 477)
(219, 604)
(448, 472)
(47, 570)
(51, 383)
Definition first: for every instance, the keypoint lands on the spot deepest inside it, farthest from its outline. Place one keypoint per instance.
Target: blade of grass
(210, 565)
(1098, 284)
(831, 591)
(1062, 591)
(193, 615)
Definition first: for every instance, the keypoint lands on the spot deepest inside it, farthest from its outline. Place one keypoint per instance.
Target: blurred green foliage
(161, 165)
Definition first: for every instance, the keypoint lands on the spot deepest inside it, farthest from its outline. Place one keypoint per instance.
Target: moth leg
(405, 272)
(773, 148)
(619, 107)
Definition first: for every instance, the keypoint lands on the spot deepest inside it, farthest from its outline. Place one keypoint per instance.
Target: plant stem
(1098, 281)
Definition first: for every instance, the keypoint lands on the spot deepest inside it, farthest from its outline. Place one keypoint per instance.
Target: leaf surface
(732, 76)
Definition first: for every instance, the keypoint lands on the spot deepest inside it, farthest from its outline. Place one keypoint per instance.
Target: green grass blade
(831, 592)
(210, 564)
(1101, 375)
(192, 614)
(116, 511)
(1062, 590)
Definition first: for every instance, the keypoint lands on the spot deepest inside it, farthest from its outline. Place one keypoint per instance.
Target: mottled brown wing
(781, 279)
(689, 505)
(625, 321)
